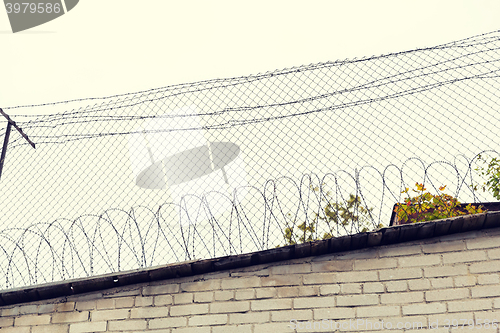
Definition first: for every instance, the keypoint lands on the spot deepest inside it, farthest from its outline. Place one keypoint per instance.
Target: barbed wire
(229, 166)
(481, 39)
(94, 244)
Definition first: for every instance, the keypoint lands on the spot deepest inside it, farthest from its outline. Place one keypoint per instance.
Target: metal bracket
(6, 139)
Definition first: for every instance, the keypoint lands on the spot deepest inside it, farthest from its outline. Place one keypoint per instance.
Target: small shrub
(491, 170)
(427, 207)
(335, 216)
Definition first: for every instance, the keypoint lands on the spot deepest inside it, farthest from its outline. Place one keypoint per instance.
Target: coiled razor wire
(224, 166)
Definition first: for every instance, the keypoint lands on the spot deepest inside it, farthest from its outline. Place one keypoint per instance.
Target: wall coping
(379, 237)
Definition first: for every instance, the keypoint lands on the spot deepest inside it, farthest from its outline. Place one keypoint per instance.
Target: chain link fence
(236, 165)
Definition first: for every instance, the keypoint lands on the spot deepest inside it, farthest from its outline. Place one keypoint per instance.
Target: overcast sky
(102, 48)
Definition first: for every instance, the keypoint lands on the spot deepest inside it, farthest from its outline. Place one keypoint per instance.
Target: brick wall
(452, 279)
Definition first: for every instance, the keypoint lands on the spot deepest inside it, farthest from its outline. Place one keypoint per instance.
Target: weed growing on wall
(424, 206)
(334, 217)
(491, 170)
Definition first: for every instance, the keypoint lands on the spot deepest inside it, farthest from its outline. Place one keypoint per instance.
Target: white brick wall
(452, 280)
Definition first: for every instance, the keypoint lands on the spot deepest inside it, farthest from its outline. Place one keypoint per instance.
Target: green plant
(427, 207)
(492, 171)
(334, 216)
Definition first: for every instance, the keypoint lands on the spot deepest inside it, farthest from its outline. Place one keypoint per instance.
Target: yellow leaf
(420, 187)
(442, 188)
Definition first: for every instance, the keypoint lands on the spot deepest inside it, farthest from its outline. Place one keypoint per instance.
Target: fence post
(4, 148)
(10, 123)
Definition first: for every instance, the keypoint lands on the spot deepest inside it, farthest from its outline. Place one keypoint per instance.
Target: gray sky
(102, 48)
(105, 48)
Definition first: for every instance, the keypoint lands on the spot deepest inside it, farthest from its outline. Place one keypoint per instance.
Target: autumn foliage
(424, 206)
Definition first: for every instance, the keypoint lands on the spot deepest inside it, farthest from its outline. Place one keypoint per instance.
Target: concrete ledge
(390, 235)
(320, 248)
(340, 244)
(236, 261)
(303, 250)
(374, 238)
(492, 220)
(358, 241)
(384, 236)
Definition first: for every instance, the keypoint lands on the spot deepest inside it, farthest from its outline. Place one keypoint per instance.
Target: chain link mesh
(225, 166)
